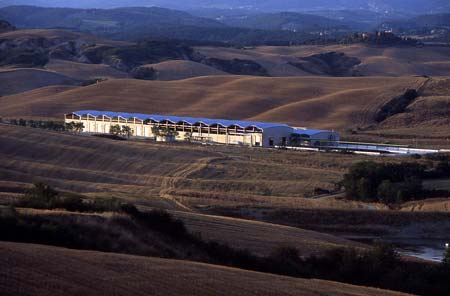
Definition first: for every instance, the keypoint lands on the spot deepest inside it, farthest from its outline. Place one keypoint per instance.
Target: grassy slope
(317, 102)
(72, 272)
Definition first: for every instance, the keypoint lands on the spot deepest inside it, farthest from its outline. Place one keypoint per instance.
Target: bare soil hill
(375, 60)
(319, 102)
(43, 270)
(15, 81)
(182, 69)
(83, 71)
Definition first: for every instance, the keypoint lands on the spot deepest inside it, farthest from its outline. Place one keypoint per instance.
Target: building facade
(205, 130)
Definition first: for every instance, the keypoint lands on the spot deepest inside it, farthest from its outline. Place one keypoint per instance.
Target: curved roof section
(190, 120)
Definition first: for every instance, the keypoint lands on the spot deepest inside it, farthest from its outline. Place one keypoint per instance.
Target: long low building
(220, 131)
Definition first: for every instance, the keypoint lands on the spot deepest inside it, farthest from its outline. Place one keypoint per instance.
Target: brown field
(70, 272)
(375, 60)
(82, 71)
(180, 69)
(15, 81)
(170, 174)
(341, 104)
(259, 237)
(429, 205)
(318, 102)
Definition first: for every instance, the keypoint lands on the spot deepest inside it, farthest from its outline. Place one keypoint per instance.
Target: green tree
(188, 137)
(41, 195)
(387, 192)
(115, 130)
(163, 131)
(70, 126)
(127, 131)
(78, 127)
(22, 122)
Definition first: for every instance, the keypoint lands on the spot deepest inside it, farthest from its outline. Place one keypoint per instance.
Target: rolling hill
(182, 69)
(31, 79)
(84, 71)
(72, 272)
(318, 102)
(413, 6)
(113, 20)
(375, 61)
(137, 23)
(259, 237)
(157, 175)
(284, 21)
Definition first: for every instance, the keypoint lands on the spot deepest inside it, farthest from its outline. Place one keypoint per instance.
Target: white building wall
(276, 134)
(144, 130)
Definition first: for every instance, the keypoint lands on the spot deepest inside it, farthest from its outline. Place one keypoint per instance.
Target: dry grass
(13, 81)
(428, 205)
(375, 61)
(317, 102)
(181, 69)
(170, 174)
(84, 71)
(259, 237)
(41, 270)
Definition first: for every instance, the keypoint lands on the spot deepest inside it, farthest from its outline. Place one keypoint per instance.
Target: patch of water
(427, 249)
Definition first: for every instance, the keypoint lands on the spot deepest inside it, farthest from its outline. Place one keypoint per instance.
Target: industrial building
(217, 131)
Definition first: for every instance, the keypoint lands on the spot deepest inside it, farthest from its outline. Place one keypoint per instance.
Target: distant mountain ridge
(421, 21)
(410, 6)
(104, 19)
(134, 23)
(291, 21)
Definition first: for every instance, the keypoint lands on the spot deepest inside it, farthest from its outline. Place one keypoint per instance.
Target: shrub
(40, 196)
(104, 205)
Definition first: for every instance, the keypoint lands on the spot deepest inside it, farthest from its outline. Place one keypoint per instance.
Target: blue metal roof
(190, 120)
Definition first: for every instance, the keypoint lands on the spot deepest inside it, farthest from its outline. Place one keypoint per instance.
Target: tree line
(46, 124)
(393, 183)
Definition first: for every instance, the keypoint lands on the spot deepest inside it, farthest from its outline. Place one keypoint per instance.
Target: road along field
(70, 272)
